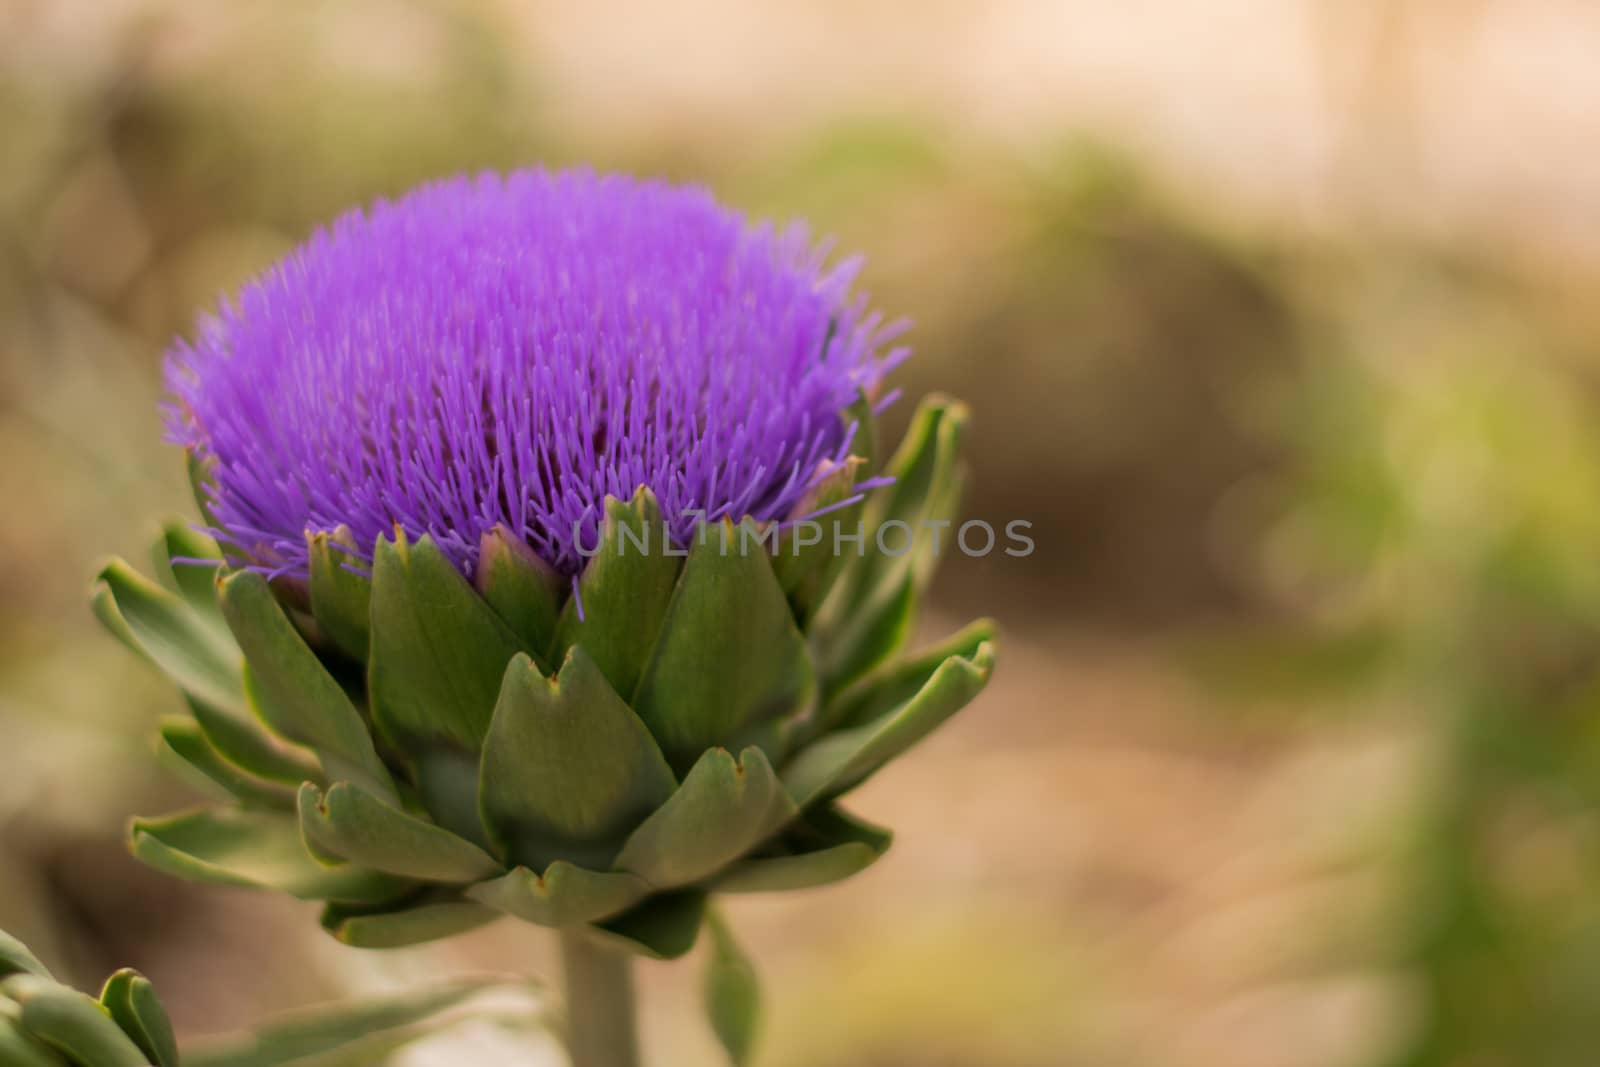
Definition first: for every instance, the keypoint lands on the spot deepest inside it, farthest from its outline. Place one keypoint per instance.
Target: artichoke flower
(539, 571)
(46, 1024)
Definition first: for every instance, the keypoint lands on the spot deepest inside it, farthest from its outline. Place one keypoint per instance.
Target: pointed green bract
(522, 588)
(103, 605)
(864, 437)
(173, 554)
(894, 684)
(238, 847)
(867, 616)
(71, 1023)
(404, 927)
(842, 760)
(824, 846)
(926, 454)
(872, 636)
(722, 810)
(664, 927)
(922, 468)
(568, 769)
(805, 561)
(184, 746)
(132, 1003)
(17, 1049)
(293, 691)
(243, 740)
(200, 484)
(170, 634)
(732, 993)
(17, 958)
(351, 823)
(340, 597)
(565, 895)
(730, 657)
(622, 593)
(808, 579)
(803, 870)
(438, 651)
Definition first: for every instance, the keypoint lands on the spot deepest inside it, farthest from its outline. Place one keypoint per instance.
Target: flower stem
(601, 1031)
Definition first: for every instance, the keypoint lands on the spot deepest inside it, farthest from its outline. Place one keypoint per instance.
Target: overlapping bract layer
(425, 753)
(46, 1024)
(507, 352)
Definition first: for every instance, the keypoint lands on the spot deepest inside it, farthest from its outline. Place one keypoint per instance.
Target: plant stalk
(601, 1026)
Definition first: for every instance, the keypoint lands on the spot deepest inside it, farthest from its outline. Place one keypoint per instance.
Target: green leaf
(523, 589)
(438, 651)
(923, 468)
(104, 607)
(568, 769)
(565, 895)
(15, 958)
(623, 592)
(356, 826)
(803, 564)
(17, 1049)
(865, 441)
(354, 1034)
(927, 455)
(71, 1023)
(242, 739)
(202, 484)
(872, 636)
(293, 691)
(260, 849)
(826, 845)
(730, 658)
(842, 760)
(183, 745)
(132, 1002)
(721, 811)
(894, 684)
(416, 924)
(169, 633)
(808, 572)
(340, 598)
(732, 993)
(664, 927)
(195, 583)
(865, 617)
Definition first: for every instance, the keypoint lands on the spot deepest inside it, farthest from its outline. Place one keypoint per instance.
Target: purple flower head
(511, 350)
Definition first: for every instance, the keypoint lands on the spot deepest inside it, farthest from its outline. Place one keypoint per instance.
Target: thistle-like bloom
(508, 352)
(464, 428)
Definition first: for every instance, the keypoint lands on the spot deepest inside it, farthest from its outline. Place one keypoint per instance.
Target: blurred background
(1278, 320)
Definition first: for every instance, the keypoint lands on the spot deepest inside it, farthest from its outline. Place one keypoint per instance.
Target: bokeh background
(1279, 321)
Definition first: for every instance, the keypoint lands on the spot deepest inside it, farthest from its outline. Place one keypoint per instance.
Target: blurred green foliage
(1443, 497)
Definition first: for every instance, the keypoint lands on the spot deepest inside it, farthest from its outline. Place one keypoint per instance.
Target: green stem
(601, 1031)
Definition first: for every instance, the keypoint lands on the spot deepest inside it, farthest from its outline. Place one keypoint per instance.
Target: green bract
(46, 1024)
(425, 753)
